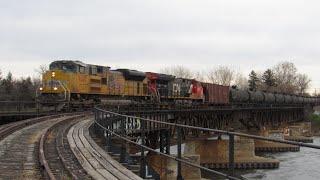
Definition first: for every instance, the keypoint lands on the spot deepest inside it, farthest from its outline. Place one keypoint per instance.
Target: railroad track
(98, 163)
(56, 155)
(8, 129)
(56, 147)
(20, 145)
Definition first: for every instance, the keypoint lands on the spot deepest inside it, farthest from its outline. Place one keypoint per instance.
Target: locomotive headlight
(55, 88)
(53, 74)
(41, 88)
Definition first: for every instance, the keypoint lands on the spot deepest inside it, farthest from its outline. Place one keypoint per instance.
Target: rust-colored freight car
(216, 94)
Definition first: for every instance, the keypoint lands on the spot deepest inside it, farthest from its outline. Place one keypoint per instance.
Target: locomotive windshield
(67, 66)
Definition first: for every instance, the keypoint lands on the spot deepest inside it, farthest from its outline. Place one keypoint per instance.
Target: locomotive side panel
(115, 84)
(135, 82)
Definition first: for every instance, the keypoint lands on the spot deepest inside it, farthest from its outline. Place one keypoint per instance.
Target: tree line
(22, 89)
(281, 78)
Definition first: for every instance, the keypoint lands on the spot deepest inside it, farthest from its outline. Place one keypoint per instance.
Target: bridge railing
(111, 124)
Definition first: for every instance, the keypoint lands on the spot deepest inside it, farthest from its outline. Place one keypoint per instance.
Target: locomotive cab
(59, 81)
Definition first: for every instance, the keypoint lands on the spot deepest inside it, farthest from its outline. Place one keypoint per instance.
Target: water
(303, 165)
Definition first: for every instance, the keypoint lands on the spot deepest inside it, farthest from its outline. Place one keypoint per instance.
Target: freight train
(75, 81)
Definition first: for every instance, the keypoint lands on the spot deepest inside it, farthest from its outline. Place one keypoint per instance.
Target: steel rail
(44, 161)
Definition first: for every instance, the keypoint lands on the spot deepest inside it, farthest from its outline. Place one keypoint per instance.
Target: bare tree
(286, 75)
(241, 81)
(41, 69)
(303, 83)
(178, 71)
(199, 76)
(36, 81)
(221, 75)
(316, 92)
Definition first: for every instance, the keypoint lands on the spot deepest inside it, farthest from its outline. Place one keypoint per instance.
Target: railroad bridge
(224, 117)
(150, 142)
(161, 126)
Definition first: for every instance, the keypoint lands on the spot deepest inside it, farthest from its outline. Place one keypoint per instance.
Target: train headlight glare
(53, 74)
(55, 88)
(41, 88)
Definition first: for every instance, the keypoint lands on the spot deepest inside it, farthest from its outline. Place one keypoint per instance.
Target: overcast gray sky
(150, 34)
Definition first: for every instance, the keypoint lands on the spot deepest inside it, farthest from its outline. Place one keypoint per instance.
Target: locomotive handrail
(65, 91)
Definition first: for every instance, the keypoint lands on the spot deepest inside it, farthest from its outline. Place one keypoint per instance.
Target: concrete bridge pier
(214, 154)
(268, 146)
(300, 132)
(167, 168)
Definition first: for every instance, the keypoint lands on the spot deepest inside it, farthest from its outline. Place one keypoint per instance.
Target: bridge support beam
(214, 154)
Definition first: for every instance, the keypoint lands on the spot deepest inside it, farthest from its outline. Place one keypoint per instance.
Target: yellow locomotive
(75, 81)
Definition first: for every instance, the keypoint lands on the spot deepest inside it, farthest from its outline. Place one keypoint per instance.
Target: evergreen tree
(24, 89)
(253, 81)
(268, 79)
(1, 86)
(8, 84)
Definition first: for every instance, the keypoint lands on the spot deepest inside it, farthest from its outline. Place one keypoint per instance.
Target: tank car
(269, 98)
(300, 100)
(307, 100)
(239, 96)
(256, 97)
(280, 99)
(288, 99)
